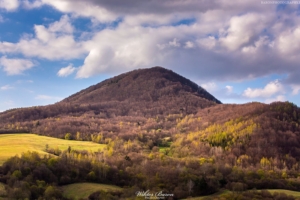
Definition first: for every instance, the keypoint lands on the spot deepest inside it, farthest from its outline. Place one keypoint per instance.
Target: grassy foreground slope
(2, 191)
(287, 192)
(224, 192)
(83, 190)
(13, 144)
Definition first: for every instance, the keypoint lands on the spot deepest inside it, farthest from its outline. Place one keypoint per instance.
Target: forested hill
(156, 107)
(144, 93)
(149, 85)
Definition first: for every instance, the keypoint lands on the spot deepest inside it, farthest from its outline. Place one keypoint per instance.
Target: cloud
(214, 40)
(288, 42)
(32, 4)
(106, 10)
(243, 30)
(9, 5)
(295, 88)
(6, 87)
(210, 86)
(66, 71)
(229, 88)
(269, 90)
(61, 26)
(54, 42)
(46, 97)
(277, 98)
(79, 8)
(15, 66)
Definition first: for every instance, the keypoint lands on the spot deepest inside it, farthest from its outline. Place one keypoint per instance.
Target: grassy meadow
(287, 192)
(296, 194)
(83, 190)
(2, 190)
(16, 144)
(211, 196)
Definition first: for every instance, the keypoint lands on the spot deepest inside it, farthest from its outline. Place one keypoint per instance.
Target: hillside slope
(157, 107)
(150, 85)
(139, 94)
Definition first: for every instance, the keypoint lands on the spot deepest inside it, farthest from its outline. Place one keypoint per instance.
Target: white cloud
(15, 66)
(277, 98)
(243, 29)
(6, 87)
(148, 34)
(269, 90)
(46, 97)
(208, 43)
(189, 45)
(9, 5)
(288, 42)
(66, 71)
(30, 5)
(295, 88)
(229, 88)
(7, 47)
(210, 86)
(81, 8)
(62, 26)
(174, 43)
(54, 42)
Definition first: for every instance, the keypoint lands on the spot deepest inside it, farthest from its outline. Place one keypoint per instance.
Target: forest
(161, 134)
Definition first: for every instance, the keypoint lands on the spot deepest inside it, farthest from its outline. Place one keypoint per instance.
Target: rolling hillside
(16, 144)
(163, 133)
(135, 97)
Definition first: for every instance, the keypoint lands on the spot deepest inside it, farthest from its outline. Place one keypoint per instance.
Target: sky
(239, 51)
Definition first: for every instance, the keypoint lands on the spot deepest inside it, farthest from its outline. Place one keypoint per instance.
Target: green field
(16, 144)
(2, 191)
(83, 190)
(163, 149)
(213, 195)
(287, 192)
(272, 191)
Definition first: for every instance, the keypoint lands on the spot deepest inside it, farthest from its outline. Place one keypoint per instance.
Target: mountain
(143, 93)
(157, 107)
(150, 85)
(161, 132)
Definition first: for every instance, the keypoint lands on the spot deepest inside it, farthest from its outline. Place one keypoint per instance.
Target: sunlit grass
(272, 191)
(16, 144)
(83, 190)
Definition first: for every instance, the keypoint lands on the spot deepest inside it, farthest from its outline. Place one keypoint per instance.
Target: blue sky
(239, 51)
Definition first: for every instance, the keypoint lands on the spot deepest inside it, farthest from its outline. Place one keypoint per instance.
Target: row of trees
(33, 176)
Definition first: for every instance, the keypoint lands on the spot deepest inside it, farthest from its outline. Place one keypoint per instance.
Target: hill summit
(150, 85)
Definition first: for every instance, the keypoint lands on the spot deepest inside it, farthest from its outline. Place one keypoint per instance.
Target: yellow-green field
(2, 191)
(213, 195)
(272, 191)
(83, 190)
(287, 192)
(163, 149)
(16, 144)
